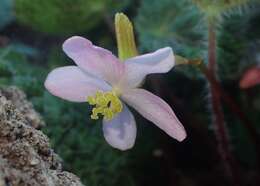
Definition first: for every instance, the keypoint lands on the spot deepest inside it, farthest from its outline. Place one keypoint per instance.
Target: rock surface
(26, 158)
(18, 99)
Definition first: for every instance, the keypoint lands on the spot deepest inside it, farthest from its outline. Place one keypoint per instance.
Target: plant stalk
(220, 126)
(234, 108)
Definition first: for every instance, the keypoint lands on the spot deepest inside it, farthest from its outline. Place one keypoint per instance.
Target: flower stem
(211, 48)
(220, 126)
(234, 108)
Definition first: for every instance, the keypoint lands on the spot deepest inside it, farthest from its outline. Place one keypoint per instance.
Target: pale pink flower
(250, 78)
(99, 71)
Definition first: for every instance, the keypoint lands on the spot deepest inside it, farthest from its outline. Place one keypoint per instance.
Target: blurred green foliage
(6, 12)
(171, 23)
(216, 7)
(65, 16)
(177, 24)
(238, 42)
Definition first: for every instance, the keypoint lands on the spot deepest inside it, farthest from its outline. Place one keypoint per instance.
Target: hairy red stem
(234, 108)
(220, 126)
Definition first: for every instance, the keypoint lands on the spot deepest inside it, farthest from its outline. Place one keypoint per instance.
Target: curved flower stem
(220, 126)
(234, 108)
(211, 48)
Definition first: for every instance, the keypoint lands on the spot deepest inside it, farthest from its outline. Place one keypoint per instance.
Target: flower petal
(120, 132)
(71, 83)
(137, 68)
(92, 59)
(250, 78)
(155, 110)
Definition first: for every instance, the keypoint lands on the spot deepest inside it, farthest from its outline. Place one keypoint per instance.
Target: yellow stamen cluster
(106, 103)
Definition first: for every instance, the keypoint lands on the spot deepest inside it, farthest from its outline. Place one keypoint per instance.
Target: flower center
(106, 103)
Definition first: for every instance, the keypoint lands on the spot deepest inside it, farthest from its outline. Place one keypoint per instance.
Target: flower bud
(125, 37)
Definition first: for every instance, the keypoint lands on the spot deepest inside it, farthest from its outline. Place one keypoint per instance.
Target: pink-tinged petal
(155, 110)
(120, 132)
(250, 78)
(72, 84)
(160, 61)
(94, 60)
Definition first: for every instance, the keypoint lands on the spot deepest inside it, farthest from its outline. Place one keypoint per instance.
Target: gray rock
(26, 158)
(18, 99)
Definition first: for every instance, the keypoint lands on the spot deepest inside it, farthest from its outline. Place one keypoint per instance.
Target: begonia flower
(110, 84)
(250, 78)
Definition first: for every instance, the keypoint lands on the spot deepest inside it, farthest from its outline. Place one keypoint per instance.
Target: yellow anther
(101, 100)
(108, 114)
(91, 100)
(106, 103)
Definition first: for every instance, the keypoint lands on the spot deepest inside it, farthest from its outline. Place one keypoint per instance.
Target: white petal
(72, 84)
(120, 132)
(155, 110)
(94, 60)
(160, 61)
